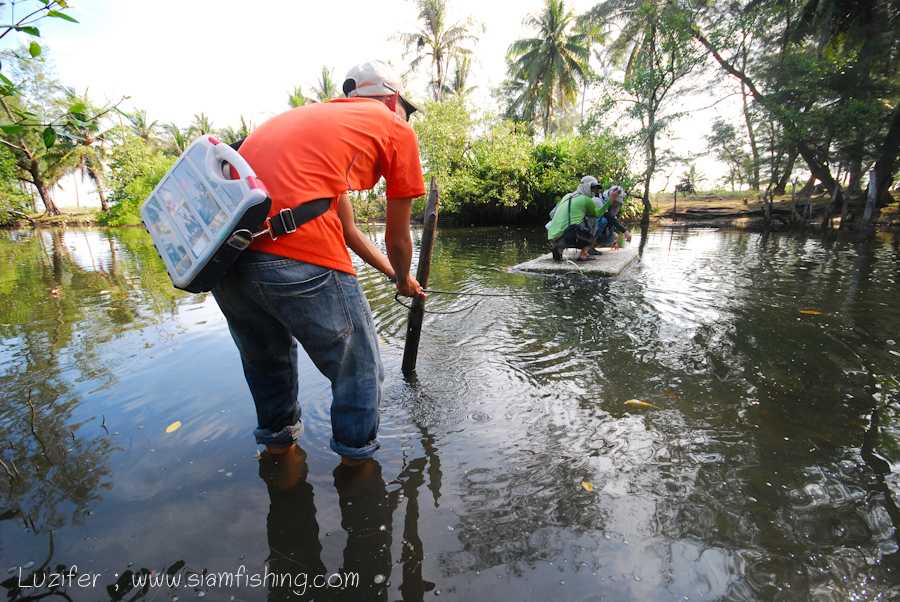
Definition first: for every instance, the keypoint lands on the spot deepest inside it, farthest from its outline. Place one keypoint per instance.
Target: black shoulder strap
(287, 221)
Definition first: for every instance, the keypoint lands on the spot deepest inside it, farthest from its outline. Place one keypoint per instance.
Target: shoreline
(702, 210)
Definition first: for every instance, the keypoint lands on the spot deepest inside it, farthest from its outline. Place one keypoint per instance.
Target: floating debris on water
(811, 312)
(637, 404)
(587, 486)
(173, 427)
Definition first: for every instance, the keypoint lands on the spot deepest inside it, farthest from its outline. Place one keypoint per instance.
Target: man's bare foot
(285, 469)
(278, 450)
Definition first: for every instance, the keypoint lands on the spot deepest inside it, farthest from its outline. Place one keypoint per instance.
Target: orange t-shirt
(322, 150)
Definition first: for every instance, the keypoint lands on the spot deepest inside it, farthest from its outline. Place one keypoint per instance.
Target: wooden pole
(675, 206)
(417, 311)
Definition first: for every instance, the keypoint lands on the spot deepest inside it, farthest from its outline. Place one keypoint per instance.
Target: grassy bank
(68, 217)
(742, 209)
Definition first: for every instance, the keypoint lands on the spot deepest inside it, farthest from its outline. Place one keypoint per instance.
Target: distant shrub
(135, 170)
(493, 172)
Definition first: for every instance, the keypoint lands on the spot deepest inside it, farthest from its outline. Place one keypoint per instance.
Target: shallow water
(510, 468)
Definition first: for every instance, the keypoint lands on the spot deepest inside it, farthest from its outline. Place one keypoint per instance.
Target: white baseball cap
(375, 78)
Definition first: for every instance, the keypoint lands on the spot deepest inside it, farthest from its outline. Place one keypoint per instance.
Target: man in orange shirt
(301, 286)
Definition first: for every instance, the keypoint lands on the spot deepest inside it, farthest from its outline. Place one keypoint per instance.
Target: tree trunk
(651, 167)
(887, 160)
(871, 210)
(829, 212)
(50, 207)
(750, 134)
(781, 186)
(98, 183)
(808, 188)
(547, 111)
(854, 170)
(583, 94)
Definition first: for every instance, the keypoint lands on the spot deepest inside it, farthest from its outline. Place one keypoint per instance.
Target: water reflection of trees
(55, 314)
(773, 400)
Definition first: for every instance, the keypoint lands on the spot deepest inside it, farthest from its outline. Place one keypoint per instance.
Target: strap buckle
(288, 229)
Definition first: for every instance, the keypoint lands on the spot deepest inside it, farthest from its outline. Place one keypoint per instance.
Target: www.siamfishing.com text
(298, 582)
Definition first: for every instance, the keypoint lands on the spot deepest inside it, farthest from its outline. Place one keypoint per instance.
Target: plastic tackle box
(199, 218)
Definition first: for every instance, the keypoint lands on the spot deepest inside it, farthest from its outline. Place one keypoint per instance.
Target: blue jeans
(272, 302)
(605, 232)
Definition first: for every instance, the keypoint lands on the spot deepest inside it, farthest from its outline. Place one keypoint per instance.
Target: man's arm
(358, 241)
(399, 246)
(601, 210)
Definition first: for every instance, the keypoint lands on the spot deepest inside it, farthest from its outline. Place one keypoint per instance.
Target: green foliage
(325, 88)
(230, 135)
(10, 81)
(496, 171)
(136, 168)
(728, 146)
(631, 209)
(11, 196)
(822, 73)
(501, 175)
(43, 153)
(443, 132)
(559, 164)
(296, 98)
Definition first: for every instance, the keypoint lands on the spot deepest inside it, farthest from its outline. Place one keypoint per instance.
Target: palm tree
(296, 98)
(325, 88)
(639, 20)
(552, 64)
(457, 85)
(201, 125)
(231, 135)
(141, 126)
(88, 138)
(438, 42)
(178, 140)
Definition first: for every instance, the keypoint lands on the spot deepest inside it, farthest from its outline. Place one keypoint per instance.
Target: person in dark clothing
(608, 225)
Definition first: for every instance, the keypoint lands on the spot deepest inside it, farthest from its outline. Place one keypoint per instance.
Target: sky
(233, 58)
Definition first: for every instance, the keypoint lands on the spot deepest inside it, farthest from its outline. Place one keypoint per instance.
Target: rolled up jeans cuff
(285, 436)
(357, 453)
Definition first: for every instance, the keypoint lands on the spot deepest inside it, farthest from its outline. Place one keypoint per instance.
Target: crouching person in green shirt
(568, 227)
